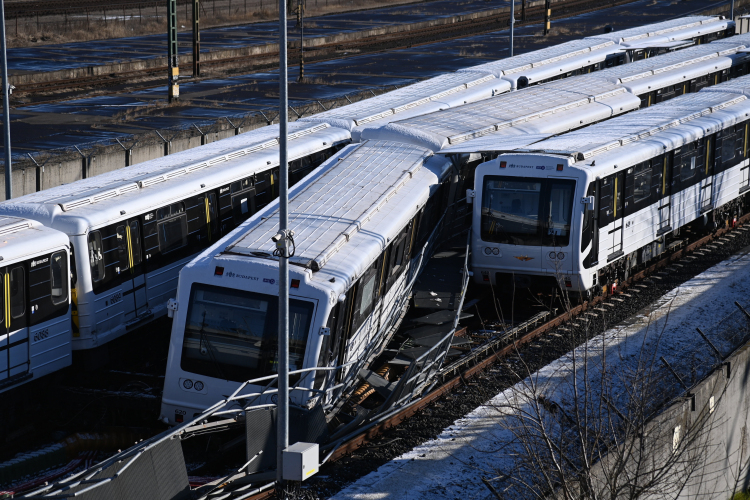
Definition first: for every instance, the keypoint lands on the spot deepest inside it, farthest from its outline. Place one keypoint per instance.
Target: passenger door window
(96, 256)
(58, 277)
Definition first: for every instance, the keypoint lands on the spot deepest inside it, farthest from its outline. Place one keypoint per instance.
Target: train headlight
(187, 383)
(487, 250)
(560, 256)
(552, 255)
(495, 251)
(198, 386)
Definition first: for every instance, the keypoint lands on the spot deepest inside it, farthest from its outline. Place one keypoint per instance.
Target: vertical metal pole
(547, 15)
(6, 109)
(282, 419)
(301, 18)
(731, 12)
(196, 39)
(512, 23)
(174, 64)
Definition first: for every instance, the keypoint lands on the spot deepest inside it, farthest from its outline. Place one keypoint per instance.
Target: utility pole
(547, 15)
(523, 10)
(301, 24)
(512, 23)
(6, 109)
(196, 39)
(173, 63)
(282, 247)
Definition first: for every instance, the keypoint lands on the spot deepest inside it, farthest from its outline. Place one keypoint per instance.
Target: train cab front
(523, 223)
(225, 332)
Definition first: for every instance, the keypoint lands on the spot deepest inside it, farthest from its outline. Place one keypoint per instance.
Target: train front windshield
(233, 334)
(527, 211)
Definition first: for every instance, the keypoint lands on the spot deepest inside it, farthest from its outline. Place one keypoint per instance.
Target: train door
(612, 192)
(664, 195)
(557, 213)
(707, 174)
(134, 300)
(14, 332)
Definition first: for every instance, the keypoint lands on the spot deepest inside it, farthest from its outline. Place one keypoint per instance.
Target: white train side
(35, 328)
(581, 210)
(132, 230)
(363, 223)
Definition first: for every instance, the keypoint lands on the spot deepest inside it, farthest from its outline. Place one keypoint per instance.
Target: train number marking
(41, 335)
(115, 298)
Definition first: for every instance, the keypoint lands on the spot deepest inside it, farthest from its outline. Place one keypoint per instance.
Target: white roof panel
(142, 175)
(493, 116)
(656, 29)
(602, 137)
(400, 100)
(541, 57)
(356, 188)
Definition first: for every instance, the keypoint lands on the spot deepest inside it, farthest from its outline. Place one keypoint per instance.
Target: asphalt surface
(100, 52)
(51, 126)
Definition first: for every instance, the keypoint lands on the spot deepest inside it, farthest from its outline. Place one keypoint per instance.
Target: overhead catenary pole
(547, 16)
(301, 22)
(173, 61)
(282, 413)
(512, 23)
(6, 109)
(196, 39)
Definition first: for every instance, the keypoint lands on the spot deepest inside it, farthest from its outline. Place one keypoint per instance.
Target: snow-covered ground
(452, 465)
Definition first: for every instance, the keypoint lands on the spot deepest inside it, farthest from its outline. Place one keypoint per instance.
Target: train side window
(135, 242)
(605, 201)
(172, 228)
(642, 182)
(727, 148)
(58, 278)
(212, 216)
(96, 257)
(399, 255)
(588, 219)
(17, 293)
(366, 295)
(122, 248)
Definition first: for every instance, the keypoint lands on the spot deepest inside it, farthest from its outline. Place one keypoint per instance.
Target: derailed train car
(364, 223)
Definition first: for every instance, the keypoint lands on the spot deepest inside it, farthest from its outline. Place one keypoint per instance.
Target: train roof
(549, 108)
(739, 85)
(348, 210)
(666, 29)
(647, 68)
(557, 114)
(555, 54)
(154, 183)
(596, 139)
(648, 132)
(24, 238)
(442, 91)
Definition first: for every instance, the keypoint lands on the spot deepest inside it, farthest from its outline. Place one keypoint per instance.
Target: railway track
(519, 342)
(152, 77)
(469, 380)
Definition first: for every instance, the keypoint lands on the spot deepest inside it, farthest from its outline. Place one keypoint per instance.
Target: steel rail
(464, 376)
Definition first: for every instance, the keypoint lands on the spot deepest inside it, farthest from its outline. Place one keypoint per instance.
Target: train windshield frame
(232, 334)
(532, 211)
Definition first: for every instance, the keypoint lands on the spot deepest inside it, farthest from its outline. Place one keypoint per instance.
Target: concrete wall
(711, 436)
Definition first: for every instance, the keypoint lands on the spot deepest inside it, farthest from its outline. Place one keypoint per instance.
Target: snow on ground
(452, 465)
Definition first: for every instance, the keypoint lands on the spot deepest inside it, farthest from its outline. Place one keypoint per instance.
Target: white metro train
(133, 229)
(364, 223)
(35, 324)
(580, 210)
